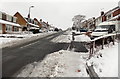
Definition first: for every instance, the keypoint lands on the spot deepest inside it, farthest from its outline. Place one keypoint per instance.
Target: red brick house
(21, 21)
(111, 15)
(27, 23)
(8, 24)
(39, 24)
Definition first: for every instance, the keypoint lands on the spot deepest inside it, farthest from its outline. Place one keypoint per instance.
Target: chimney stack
(102, 13)
(40, 20)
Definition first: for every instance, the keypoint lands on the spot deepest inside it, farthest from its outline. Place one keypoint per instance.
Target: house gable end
(20, 19)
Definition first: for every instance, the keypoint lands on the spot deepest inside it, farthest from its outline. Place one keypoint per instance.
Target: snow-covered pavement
(72, 64)
(12, 39)
(58, 64)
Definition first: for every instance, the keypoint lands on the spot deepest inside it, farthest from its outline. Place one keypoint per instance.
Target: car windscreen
(104, 26)
(100, 30)
(107, 27)
(83, 30)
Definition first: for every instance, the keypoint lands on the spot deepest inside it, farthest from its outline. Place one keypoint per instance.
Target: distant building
(8, 24)
(45, 25)
(31, 24)
(39, 24)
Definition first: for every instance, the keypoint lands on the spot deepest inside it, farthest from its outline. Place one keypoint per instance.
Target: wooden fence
(104, 38)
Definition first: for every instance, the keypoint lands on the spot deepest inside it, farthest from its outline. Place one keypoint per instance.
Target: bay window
(8, 28)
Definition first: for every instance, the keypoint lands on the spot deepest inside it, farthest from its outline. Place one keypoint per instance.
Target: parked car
(106, 28)
(56, 29)
(83, 31)
(34, 31)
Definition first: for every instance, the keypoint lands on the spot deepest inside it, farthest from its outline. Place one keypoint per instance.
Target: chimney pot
(102, 13)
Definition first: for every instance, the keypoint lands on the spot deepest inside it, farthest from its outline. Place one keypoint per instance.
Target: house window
(3, 16)
(14, 19)
(35, 22)
(28, 19)
(9, 18)
(109, 16)
(8, 28)
(32, 21)
(16, 29)
(0, 28)
(0, 15)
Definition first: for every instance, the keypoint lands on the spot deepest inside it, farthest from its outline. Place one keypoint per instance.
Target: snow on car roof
(9, 23)
(99, 28)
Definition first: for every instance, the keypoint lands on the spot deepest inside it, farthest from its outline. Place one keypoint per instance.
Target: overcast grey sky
(58, 12)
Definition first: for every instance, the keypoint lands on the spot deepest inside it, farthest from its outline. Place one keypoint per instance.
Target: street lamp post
(29, 11)
(29, 17)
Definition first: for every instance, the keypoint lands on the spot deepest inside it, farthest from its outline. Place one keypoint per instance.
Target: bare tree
(77, 20)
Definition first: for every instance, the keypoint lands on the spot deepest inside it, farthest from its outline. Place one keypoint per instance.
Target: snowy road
(14, 58)
(33, 56)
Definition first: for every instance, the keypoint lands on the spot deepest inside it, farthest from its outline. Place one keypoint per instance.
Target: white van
(106, 27)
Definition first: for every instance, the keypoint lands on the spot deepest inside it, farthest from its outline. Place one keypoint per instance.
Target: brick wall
(117, 12)
(3, 28)
(20, 19)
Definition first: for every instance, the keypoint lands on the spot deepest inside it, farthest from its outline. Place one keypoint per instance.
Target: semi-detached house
(27, 23)
(8, 24)
(111, 15)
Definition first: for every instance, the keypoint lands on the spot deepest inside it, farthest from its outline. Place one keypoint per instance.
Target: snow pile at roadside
(63, 39)
(67, 38)
(82, 38)
(58, 64)
(107, 64)
(12, 39)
